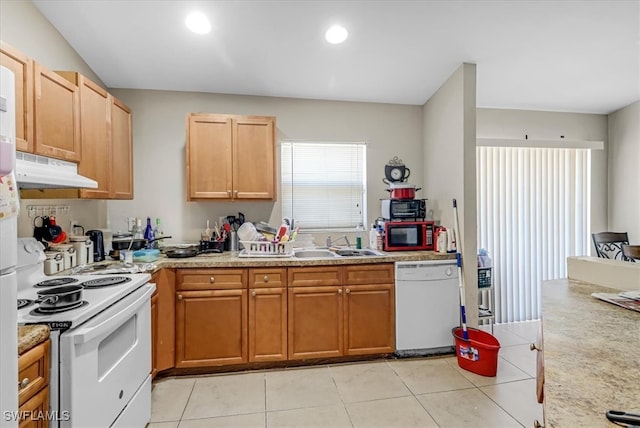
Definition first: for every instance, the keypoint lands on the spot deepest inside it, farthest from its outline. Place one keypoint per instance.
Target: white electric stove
(100, 345)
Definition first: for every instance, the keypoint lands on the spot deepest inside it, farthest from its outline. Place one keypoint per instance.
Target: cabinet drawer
(267, 278)
(378, 273)
(33, 371)
(211, 279)
(314, 276)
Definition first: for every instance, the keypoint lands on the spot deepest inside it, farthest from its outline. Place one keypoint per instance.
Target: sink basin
(305, 254)
(353, 252)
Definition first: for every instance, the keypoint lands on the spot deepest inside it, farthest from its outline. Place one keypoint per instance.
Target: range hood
(40, 172)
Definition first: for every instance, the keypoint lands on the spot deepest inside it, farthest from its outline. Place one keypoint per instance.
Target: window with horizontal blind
(323, 185)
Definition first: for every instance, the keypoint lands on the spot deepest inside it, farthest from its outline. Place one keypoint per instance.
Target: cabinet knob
(339, 290)
(235, 193)
(253, 293)
(533, 347)
(212, 279)
(24, 383)
(179, 296)
(266, 278)
(348, 291)
(229, 193)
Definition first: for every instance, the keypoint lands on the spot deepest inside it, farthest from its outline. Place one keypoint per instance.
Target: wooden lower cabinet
(268, 324)
(369, 319)
(33, 389)
(315, 322)
(211, 327)
(163, 321)
(38, 407)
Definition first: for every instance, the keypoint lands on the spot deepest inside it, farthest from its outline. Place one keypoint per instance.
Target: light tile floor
(416, 392)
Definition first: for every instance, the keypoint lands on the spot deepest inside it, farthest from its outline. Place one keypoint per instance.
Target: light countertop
(591, 355)
(30, 336)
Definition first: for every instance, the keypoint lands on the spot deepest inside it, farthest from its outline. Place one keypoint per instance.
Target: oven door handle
(88, 333)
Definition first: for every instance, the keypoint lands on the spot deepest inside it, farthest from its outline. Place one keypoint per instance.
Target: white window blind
(533, 212)
(323, 184)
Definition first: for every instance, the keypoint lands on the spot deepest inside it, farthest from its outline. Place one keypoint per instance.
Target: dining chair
(631, 252)
(609, 244)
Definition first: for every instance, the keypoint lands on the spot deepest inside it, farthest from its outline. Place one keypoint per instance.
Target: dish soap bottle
(359, 230)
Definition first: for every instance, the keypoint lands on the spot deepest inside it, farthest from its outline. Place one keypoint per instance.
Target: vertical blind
(533, 212)
(323, 184)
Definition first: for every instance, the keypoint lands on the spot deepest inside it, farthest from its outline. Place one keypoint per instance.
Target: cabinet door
(122, 151)
(165, 280)
(22, 68)
(369, 326)
(209, 160)
(268, 324)
(315, 322)
(254, 158)
(33, 371)
(211, 328)
(57, 121)
(35, 409)
(95, 131)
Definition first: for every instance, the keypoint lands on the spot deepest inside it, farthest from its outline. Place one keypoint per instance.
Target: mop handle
(463, 312)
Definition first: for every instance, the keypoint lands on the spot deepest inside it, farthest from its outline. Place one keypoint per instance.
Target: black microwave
(403, 209)
(408, 235)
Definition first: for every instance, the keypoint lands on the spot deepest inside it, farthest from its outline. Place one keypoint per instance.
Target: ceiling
(577, 56)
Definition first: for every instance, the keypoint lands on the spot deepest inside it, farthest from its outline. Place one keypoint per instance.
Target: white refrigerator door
(8, 350)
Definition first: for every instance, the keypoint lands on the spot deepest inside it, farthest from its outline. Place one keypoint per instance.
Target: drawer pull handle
(348, 291)
(24, 382)
(179, 296)
(533, 347)
(253, 293)
(212, 279)
(266, 278)
(339, 290)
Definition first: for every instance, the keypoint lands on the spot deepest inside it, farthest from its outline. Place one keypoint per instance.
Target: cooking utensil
(402, 190)
(179, 253)
(136, 244)
(60, 297)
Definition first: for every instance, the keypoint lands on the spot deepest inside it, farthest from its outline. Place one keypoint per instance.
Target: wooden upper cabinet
(230, 157)
(121, 150)
(253, 158)
(22, 68)
(95, 132)
(57, 115)
(209, 158)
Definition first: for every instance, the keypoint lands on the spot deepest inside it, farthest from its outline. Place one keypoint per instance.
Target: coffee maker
(98, 244)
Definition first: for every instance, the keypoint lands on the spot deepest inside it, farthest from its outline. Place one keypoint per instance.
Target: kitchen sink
(340, 252)
(306, 254)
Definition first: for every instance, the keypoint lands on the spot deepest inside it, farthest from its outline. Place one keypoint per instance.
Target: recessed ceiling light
(336, 34)
(198, 23)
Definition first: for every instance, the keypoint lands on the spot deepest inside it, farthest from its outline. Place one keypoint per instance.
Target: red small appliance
(408, 235)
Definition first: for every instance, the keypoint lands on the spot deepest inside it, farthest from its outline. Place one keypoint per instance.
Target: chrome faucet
(330, 242)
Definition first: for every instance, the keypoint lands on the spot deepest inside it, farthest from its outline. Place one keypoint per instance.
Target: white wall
(515, 124)
(449, 138)
(26, 29)
(159, 127)
(624, 172)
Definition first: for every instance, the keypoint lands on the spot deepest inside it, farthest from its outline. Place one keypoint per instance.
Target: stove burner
(23, 303)
(43, 311)
(56, 281)
(105, 282)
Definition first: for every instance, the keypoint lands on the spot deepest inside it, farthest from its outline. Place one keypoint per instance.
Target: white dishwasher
(427, 307)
